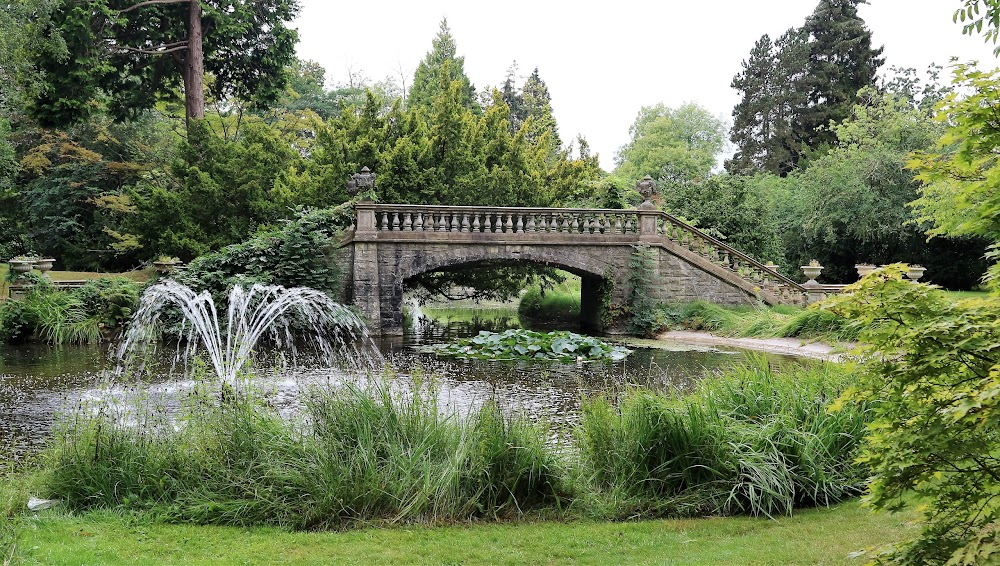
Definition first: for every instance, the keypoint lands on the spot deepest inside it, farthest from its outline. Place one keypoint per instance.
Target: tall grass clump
(355, 456)
(754, 440)
(818, 323)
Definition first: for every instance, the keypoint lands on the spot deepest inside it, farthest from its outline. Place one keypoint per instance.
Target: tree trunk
(194, 67)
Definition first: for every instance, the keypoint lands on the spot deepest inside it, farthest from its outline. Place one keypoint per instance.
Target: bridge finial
(646, 188)
(362, 183)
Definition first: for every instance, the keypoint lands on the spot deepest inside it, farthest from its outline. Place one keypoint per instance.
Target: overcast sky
(603, 62)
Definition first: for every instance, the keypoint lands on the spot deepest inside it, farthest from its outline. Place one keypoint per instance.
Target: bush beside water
(752, 441)
(80, 316)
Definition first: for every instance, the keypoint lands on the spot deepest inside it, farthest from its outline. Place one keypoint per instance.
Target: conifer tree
(754, 117)
(426, 79)
(841, 62)
(538, 107)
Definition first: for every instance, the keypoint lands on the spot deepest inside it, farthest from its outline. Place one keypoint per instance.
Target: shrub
(111, 300)
(297, 254)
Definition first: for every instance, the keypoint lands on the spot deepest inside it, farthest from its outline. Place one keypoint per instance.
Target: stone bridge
(392, 243)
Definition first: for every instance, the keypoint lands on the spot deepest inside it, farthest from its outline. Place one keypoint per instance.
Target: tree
(959, 176)
(428, 80)
(129, 55)
(772, 96)
(930, 380)
(538, 108)
(841, 62)
(682, 142)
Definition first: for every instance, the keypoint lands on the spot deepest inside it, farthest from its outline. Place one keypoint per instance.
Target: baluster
(456, 224)
(543, 223)
(418, 223)
(465, 222)
(408, 222)
(531, 223)
(575, 226)
(385, 221)
(488, 222)
(395, 221)
(508, 226)
(442, 222)
(475, 223)
(618, 224)
(520, 223)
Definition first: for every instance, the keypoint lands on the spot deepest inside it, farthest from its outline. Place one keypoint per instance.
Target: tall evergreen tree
(792, 89)
(538, 107)
(427, 83)
(754, 116)
(841, 62)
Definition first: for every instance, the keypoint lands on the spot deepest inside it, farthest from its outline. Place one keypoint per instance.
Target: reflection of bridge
(392, 243)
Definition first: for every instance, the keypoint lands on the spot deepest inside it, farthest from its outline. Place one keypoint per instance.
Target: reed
(755, 440)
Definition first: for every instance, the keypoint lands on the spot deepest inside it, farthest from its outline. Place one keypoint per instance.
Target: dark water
(38, 382)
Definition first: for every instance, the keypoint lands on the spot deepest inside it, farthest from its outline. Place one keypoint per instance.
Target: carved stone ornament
(647, 188)
(361, 182)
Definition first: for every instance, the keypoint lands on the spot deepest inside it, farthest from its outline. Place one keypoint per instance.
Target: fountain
(330, 328)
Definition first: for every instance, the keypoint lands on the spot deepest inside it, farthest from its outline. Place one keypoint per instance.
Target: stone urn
(915, 272)
(165, 266)
(864, 269)
(44, 265)
(20, 266)
(812, 271)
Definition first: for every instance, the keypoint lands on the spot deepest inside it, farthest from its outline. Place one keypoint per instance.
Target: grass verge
(816, 536)
(759, 321)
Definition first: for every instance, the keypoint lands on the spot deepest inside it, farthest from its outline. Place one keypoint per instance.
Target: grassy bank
(560, 303)
(757, 321)
(818, 536)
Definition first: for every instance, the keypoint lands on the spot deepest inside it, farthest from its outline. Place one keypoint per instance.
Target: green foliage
(795, 88)
(560, 302)
(754, 440)
(973, 20)
(518, 344)
(931, 372)
(731, 207)
(298, 254)
(681, 143)
(644, 315)
(850, 205)
(440, 68)
(80, 316)
(959, 175)
(110, 300)
(365, 456)
(246, 45)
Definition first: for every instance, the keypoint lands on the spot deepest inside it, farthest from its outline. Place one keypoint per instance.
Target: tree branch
(152, 2)
(161, 50)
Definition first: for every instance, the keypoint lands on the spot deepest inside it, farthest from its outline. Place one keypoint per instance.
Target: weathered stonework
(391, 244)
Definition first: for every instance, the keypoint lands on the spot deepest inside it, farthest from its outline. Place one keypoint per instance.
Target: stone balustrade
(412, 219)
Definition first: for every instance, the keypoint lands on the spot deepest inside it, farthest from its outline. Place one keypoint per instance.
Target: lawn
(817, 536)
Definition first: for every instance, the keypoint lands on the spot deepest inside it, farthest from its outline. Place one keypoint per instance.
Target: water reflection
(37, 382)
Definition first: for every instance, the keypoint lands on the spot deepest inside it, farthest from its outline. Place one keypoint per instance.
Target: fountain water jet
(330, 328)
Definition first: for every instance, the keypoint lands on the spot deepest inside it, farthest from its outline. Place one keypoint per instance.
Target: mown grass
(817, 536)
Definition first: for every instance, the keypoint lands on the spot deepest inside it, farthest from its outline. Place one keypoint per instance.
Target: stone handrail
(787, 290)
(639, 226)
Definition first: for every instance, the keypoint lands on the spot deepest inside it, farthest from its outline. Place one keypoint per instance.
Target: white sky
(603, 61)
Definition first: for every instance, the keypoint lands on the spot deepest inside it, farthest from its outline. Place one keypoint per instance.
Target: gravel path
(787, 346)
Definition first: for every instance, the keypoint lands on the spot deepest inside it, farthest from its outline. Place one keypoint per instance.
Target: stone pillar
(647, 223)
(365, 281)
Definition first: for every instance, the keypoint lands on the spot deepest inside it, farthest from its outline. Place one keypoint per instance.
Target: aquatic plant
(286, 316)
(522, 344)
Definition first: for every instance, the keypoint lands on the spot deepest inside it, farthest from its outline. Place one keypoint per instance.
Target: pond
(38, 382)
